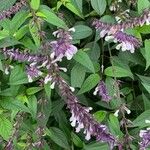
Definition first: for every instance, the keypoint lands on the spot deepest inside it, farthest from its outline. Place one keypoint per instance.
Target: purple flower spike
(102, 91)
(63, 47)
(145, 135)
(82, 119)
(7, 13)
(126, 42)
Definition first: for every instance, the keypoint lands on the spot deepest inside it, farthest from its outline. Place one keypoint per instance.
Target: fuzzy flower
(7, 13)
(102, 91)
(63, 47)
(15, 54)
(33, 72)
(145, 136)
(126, 42)
(82, 119)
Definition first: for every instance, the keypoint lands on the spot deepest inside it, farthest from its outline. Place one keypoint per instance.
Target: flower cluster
(7, 13)
(63, 47)
(145, 136)
(114, 32)
(102, 91)
(82, 119)
(126, 42)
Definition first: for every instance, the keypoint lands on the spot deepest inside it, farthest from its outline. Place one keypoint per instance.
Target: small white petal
(72, 29)
(47, 79)
(118, 46)
(30, 79)
(52, 85)
(6, 71)
(73, 123)
(72, 89)
(107, 38)
(147, 121)
(88, 135)
(103, 33)
(63, 69)
(116, 113)
(127, 110)
(95, 92)
(55, 33)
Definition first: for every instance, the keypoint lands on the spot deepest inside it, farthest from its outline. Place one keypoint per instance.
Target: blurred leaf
(76, 140)
(35, 4)
(81, 32)
(89, 83)
(146, 102)
(84, 59)
(96, 146)
(114, 125)
(140, 120)
(100, 115)
(18, 76)
(58, 137)
(32, 105)
(143, 5)
(99, 6)
(12, 104)
(72, 7)
(5, 127)
(34, 30)
(115, 71)
(50, 17)
(33, 90)
(147, 53)
(5, 4)
(77, 75)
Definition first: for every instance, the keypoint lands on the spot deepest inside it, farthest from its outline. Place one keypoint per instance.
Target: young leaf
(89, 83)
(84, 59)
(115, 71)
(77, 75)
(99, 6)
(35, 4)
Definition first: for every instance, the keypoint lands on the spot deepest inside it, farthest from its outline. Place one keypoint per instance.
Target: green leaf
(33, 90)
(115, 71)
(12, 104)
(84, 60)
(5, 4)
(89, 83)
(35, 4)
(81, 32)
(147, 53)
(96, 146)
(76, 140)
(58, 137)
(114, 126)
(145, 82)
(18, 20)
(77, 75)
(32, 105)
(78, 3)
(146, 102)
(50, 17)
(143, 4)
(34, 30)
(100, 115)
(18, 76)
(72, 7)
(5, 127)
(99, 6)
(140, 120)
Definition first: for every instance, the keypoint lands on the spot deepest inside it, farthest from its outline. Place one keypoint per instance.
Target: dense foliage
(74, 74)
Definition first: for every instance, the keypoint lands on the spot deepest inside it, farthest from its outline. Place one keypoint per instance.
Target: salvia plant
(75, 75)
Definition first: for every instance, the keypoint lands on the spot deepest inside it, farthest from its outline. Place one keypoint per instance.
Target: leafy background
(132, 70)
